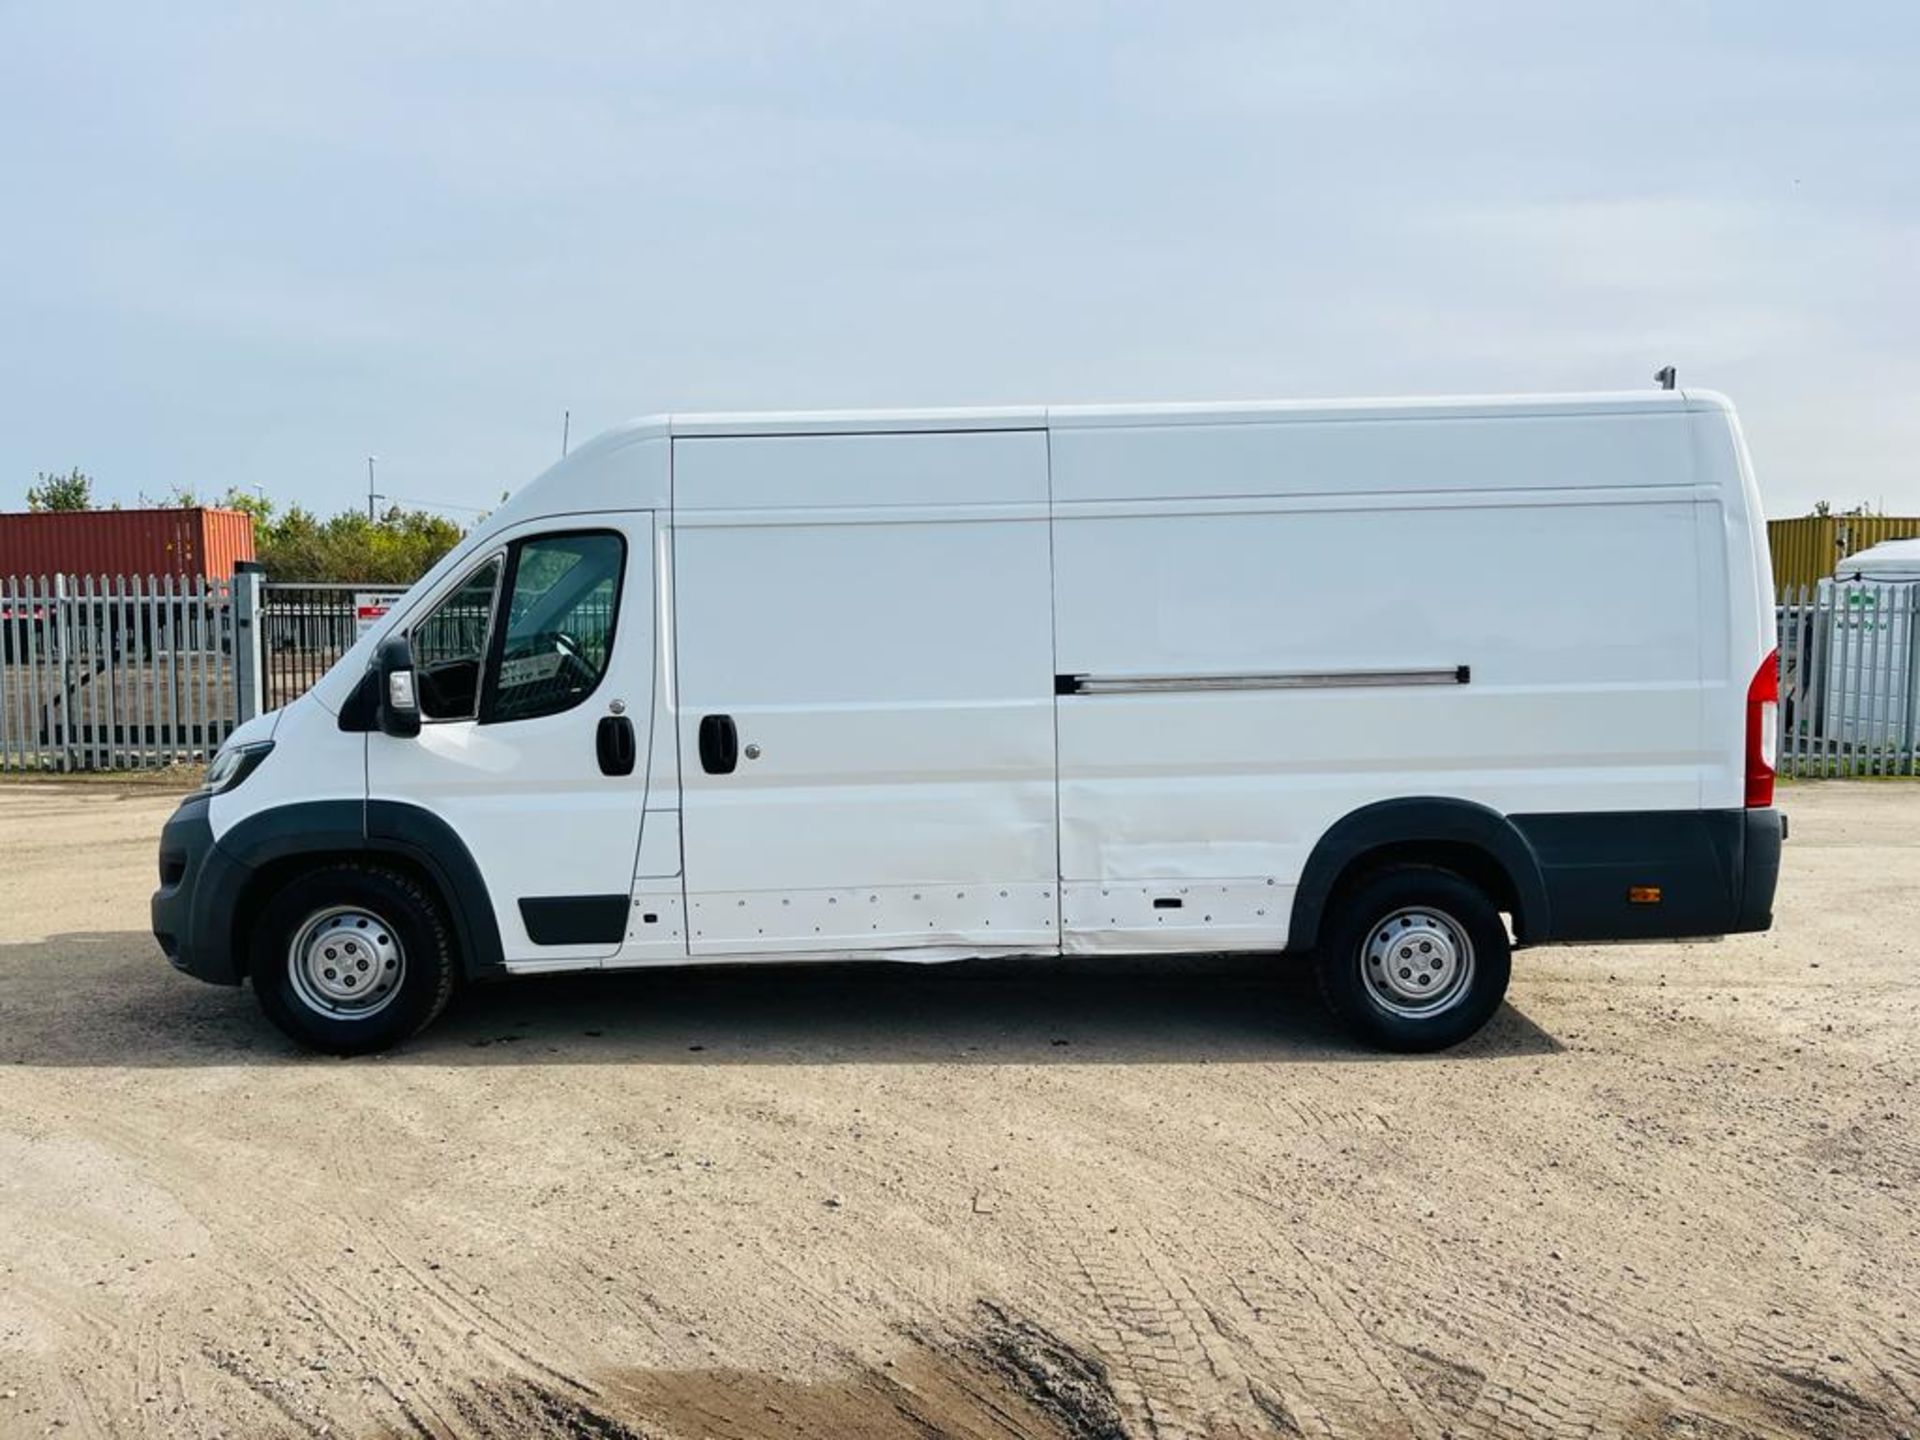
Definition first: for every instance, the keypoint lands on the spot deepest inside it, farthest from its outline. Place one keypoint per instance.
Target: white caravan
(1399, 684)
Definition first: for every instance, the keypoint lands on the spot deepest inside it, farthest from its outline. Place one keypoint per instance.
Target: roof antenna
(566, 431)
(1665, 376)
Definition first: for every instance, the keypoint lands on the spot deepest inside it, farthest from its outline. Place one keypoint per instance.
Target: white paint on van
(882, 603)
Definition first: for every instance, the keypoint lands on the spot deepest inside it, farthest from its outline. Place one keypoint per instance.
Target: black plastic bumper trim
(187, 859)
(575, 919)
(1716, 871)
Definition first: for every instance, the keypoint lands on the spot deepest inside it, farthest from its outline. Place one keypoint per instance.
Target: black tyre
(352, 958)
(1414, 958)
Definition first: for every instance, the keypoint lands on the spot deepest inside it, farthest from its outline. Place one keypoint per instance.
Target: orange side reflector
(1643, 894)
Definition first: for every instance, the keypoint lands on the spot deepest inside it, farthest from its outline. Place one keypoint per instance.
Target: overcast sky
(249, 244)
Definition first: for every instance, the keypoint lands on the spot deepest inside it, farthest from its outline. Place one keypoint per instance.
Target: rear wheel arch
(1471, 840)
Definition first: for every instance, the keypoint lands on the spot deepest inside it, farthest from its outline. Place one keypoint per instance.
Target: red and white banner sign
(370, 605)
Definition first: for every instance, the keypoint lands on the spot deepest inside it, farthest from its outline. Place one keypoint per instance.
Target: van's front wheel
(1414, 958)
(351, 958)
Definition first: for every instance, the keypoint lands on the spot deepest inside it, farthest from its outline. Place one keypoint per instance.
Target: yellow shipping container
(1806, 548)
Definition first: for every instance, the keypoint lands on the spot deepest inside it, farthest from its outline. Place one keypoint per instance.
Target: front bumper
(193, 908)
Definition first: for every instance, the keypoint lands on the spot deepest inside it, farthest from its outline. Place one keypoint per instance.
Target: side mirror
(399, 696)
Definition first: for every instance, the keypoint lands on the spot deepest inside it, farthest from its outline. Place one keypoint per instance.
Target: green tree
(395, 549)
(248, 503)
(72, 491)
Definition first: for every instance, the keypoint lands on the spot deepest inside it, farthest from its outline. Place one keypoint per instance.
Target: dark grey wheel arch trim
(1413, 821)
(341, 827)
(408, 829)
(203, 909)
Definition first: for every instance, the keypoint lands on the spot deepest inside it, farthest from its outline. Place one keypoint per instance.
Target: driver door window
(563, 596)
(450, 647)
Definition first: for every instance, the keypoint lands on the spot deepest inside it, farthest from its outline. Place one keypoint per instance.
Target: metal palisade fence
(1848, 676)
(101, 672)
(304, 629)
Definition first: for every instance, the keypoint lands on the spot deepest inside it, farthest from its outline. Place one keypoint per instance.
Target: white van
(1891, 562)
(1858, 628)
(1400, 684)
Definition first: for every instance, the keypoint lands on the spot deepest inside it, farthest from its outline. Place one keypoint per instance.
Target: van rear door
(864, 659)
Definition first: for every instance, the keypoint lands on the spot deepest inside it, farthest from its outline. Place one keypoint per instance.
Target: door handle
(719, 744)
(614, 743)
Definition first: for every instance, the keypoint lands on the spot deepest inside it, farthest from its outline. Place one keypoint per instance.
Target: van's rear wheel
(1414, 958)
(352, 958)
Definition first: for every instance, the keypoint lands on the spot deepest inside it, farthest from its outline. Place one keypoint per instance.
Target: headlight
(232, 765)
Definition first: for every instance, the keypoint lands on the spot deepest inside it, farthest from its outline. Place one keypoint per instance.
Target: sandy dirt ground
(1672, 1190)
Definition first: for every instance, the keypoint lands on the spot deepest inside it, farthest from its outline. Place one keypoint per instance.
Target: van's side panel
(1551, 558)
(1111, 458)
(871, 615)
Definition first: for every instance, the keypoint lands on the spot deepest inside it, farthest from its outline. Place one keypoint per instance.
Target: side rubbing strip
(575, 919)
(1276, 680)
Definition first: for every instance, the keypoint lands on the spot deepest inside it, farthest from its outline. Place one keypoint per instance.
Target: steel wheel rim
(346, 963)
(1417, 962)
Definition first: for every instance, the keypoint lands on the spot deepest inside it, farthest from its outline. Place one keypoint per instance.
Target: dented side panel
(1265, 628)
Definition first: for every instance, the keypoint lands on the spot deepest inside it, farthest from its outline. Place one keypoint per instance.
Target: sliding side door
(865, 669)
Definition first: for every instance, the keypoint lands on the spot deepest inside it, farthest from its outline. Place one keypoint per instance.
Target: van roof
(1042, 417)
(1889, 560)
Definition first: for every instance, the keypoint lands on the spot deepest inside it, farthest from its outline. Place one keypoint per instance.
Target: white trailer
(1359, 678)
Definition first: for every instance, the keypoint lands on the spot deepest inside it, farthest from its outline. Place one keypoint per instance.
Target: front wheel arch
(268, 848)
(270, 879)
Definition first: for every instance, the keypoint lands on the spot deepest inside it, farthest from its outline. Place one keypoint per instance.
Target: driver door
(535, 669)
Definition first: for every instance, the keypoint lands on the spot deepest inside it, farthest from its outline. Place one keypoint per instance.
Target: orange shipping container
(126, 542)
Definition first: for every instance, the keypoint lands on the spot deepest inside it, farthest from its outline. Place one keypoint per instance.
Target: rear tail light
(1763, 718)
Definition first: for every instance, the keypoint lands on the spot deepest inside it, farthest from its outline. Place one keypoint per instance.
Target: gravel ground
(1672, 1190)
